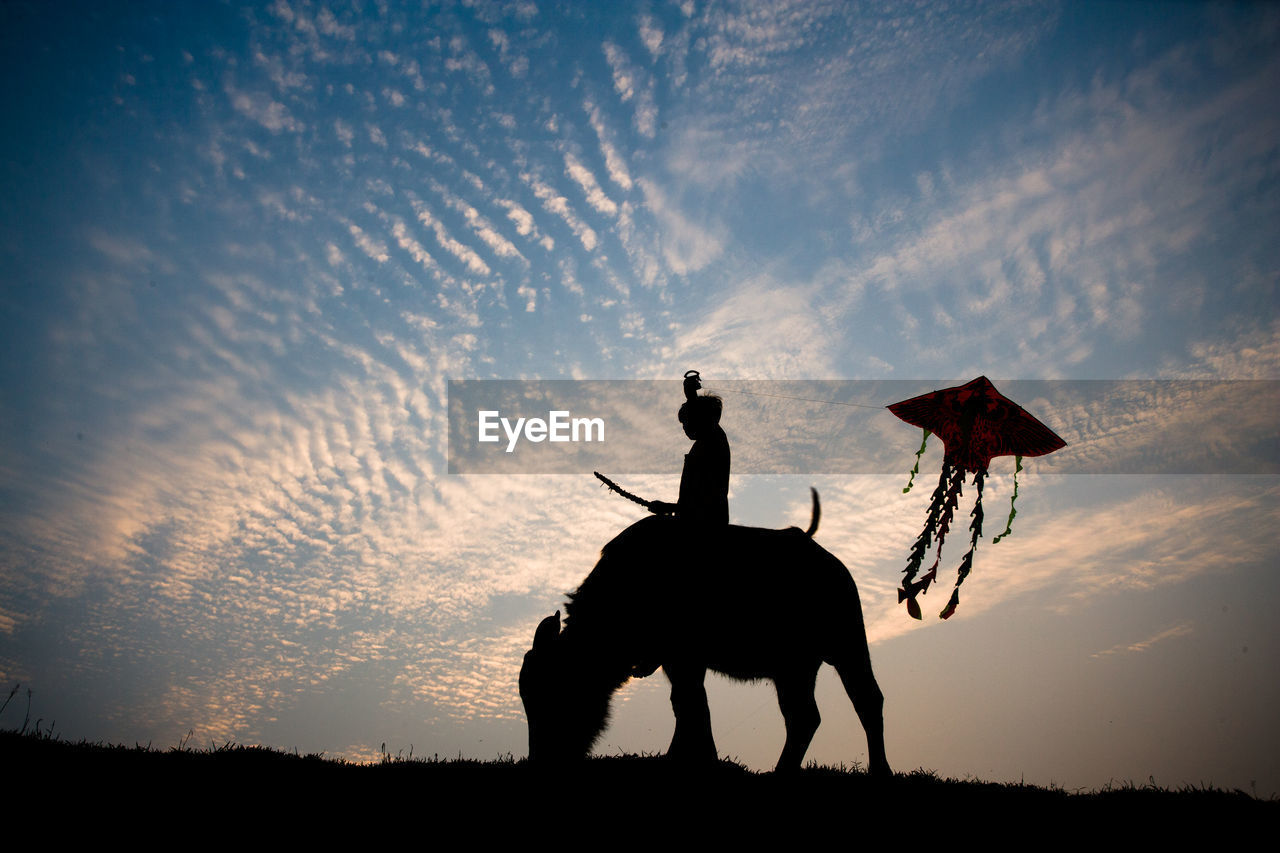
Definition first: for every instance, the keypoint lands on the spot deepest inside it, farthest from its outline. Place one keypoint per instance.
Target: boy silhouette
(704, 483)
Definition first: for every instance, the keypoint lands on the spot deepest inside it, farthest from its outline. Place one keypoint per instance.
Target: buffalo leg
(799, 712)
(692, 739)
(868, 701)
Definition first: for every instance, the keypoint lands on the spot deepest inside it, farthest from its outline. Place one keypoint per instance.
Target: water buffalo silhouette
(748, 602)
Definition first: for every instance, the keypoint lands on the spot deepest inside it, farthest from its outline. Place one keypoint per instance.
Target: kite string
(789, 397)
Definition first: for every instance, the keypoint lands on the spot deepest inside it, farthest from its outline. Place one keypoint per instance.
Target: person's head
(700, 413)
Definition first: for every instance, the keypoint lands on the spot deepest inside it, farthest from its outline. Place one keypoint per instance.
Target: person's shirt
(704, 483)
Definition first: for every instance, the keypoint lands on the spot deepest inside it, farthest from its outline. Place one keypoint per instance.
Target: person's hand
(662, 508)
(692, 384)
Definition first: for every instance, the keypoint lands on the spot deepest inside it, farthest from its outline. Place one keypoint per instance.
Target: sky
(246, 247)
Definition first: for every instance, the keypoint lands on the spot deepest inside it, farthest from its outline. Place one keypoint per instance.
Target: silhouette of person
(704, 483)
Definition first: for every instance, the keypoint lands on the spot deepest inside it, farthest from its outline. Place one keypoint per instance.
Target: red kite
(976, 423)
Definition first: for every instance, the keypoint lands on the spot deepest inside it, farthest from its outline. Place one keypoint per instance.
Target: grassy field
(623, 790)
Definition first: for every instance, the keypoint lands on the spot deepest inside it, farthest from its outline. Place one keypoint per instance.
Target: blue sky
(245, 247)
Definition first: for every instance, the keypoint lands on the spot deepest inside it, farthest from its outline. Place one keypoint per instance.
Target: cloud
(373, 248)
(1097, 238)
(686, 246)
(269, 113)
(329, 25)
(626, 82)
(462, 59)
(406, 241)
(1251, 355)
(651, 35)
(623, 82)
(811, 128)
(559, 205)
(334, 255)
(764, 329)
(523, 220)
(462, 252)
(517, 63)
(346, 135)
(1181, 630)
(499, 245)
(127, 251)
(590, 187)
(614, 163)
(284, 80)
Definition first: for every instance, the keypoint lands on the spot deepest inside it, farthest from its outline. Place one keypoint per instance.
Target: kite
(976, 423)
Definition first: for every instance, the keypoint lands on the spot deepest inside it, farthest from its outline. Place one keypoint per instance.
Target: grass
(602, 786)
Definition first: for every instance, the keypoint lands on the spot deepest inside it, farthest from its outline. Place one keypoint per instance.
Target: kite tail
(930, 523)
(910, 586)
(1013, 511)
(966, 563)
(975, 526)
(954, 475)
(916, 469)
(950, 501)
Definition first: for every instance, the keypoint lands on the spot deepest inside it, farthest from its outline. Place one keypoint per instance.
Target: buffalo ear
(548, 630)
